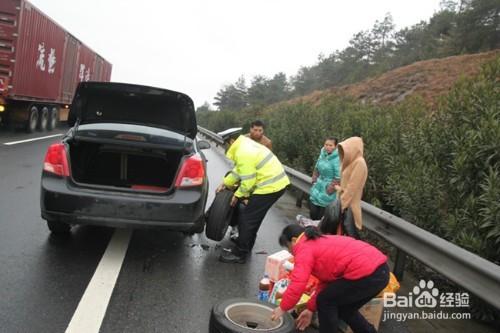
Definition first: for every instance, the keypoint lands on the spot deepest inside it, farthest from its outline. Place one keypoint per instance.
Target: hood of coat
(351, 149)
(324, 154)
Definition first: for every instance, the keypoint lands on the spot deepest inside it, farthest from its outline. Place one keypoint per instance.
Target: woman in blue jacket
(325, 176)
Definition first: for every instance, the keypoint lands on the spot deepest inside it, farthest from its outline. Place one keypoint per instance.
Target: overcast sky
(197, 46)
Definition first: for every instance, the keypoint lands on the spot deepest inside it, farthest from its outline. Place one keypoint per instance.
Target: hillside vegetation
(429, 79)
(438, 168)
(429, 115)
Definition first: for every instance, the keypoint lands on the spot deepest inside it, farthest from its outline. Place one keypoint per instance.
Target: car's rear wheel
(197, 228)
(57, 227)
(219, 215)
(242, 315)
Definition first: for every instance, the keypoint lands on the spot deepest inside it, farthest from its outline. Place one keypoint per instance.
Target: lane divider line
(33, 139)
(90, 312)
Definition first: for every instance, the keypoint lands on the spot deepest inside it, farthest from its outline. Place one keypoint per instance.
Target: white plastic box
(274, 265)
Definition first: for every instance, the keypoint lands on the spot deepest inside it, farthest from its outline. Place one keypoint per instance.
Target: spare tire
(246, 315)
(219, 215)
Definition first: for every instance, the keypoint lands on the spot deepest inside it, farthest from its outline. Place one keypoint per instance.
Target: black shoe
(232, 258)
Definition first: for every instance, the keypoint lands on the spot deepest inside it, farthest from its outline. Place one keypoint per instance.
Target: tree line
(465, 26)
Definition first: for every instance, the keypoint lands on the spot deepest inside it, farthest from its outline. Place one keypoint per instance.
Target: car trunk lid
(109, 102)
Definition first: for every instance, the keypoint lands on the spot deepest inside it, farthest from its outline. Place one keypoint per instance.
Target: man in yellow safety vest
(261, 181)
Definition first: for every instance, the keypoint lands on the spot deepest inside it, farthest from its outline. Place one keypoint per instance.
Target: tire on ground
(57, 227)
(219, 215)
(246, 315)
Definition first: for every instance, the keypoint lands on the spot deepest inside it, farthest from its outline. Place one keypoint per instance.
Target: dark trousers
(251, 218)
(238, 211)
(316, 212)
(343, 298)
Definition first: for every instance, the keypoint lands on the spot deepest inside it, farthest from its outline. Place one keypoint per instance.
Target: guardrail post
(399, 264)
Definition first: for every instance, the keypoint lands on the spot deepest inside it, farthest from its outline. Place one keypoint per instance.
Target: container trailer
(41, 65)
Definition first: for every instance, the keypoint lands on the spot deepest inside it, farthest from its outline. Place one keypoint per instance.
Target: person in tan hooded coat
(353, 177)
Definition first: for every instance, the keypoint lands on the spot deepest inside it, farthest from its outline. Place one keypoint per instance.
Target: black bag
(334, 215)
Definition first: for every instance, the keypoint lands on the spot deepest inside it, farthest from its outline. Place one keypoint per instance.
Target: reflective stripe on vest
(271, 180)
(245, 177)
(264, 161)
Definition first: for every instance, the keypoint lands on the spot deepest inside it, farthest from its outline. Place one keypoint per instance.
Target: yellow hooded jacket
(256, 168)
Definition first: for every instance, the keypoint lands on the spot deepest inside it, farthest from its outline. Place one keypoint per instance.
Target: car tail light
(56, 161)
(192, 172)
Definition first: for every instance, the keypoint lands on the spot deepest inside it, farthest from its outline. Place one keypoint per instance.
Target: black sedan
(131, 158)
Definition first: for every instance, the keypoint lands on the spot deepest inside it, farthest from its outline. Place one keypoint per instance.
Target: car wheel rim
(252, 316)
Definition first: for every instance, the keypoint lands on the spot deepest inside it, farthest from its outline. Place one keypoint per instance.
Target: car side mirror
(202, 144)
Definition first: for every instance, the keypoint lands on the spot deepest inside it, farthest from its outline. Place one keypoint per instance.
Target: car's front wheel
(57, 227)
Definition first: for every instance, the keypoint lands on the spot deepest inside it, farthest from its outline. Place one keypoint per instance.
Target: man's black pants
(342, 299)
(251, 219)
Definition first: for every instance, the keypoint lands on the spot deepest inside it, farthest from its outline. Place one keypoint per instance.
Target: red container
(39, 60)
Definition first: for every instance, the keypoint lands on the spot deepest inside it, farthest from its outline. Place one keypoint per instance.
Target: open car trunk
(123, 166)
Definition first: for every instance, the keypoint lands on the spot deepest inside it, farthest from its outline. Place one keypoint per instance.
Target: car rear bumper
(118, 222)
(181, 210)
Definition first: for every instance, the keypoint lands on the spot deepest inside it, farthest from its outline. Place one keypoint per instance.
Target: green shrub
(439, 169)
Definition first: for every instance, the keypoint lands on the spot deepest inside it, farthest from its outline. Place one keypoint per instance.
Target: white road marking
(90, 312)
(33, 139)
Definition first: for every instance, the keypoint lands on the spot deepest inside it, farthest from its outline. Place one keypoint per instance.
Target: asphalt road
(168, 281)
(165, 281)
(41, 277)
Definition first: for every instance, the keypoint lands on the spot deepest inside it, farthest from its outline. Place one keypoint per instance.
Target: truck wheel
(246, 315)
(43, 119)
(32, 120)
(57, 227)
(53, 119)
(219, 215)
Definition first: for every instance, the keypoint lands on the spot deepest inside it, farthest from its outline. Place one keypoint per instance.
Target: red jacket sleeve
(304, 262)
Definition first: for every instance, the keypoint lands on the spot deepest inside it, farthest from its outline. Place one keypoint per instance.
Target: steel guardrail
(468, 270)
(211, 135)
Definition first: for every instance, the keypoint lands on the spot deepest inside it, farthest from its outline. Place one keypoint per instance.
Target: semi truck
(41, 65)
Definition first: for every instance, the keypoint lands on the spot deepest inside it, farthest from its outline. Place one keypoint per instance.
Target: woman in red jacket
(350, 273)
